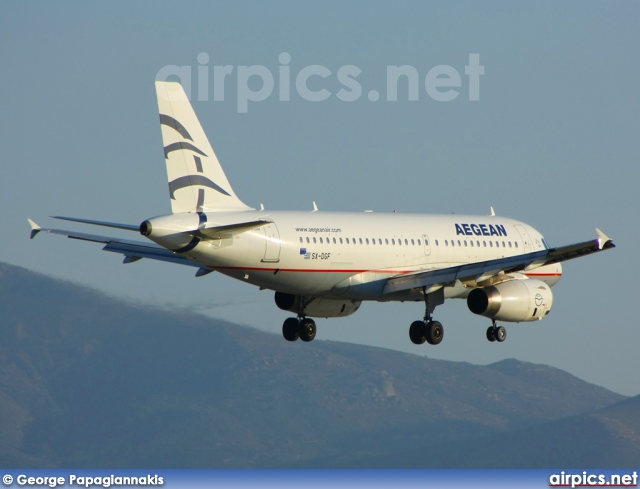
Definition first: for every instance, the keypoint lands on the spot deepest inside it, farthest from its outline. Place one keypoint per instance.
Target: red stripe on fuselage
(312, 270)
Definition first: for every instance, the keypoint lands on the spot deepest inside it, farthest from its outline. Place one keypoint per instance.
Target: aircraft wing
(132, 250)
(479, 271)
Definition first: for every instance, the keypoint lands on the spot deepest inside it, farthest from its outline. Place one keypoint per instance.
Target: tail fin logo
(187, 180)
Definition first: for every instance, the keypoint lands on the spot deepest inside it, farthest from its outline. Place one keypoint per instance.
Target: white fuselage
(349, 255)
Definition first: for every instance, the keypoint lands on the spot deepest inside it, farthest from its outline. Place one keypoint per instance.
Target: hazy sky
(552, 140)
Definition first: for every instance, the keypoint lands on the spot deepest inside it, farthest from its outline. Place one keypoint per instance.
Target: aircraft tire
(418, 332)
(491, 334)
(290, 329)
(435, 332)
(307, 329)
(501, 334)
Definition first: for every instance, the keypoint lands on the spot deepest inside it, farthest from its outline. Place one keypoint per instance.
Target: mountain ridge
(91, 381)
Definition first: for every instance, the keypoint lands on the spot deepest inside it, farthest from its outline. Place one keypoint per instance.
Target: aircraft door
(272, 243)
(427, 244)
(524, 235)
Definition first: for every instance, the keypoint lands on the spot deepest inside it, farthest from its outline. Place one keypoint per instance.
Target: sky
(548, 135)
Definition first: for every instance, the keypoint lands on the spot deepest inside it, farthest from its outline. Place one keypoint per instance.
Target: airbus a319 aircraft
(324, 264)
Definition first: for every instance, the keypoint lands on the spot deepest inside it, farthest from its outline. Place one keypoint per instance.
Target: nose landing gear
(496, 333)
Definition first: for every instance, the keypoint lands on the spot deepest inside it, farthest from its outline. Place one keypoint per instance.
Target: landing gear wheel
(435, 332)
(491, 333)
(307, 329)
(290, 329)
(418, 332)
(501, 334)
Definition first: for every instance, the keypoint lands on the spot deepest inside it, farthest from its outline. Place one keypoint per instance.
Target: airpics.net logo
(318, 83)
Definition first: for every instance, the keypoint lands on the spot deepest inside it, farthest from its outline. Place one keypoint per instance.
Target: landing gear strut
(496, 333)
(428, 330)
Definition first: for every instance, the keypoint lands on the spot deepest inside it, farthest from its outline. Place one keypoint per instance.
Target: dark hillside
(90, 381)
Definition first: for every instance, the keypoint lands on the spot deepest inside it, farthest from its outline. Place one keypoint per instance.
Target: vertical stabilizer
(196, 179)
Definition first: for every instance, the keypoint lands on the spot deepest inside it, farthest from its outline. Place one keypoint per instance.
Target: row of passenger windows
(387, 241)
(484, 243)
(406, 242)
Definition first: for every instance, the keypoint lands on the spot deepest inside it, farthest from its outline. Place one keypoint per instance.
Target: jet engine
(513, 301)
(318, 307)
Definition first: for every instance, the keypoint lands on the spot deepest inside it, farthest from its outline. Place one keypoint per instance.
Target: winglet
(603, 239)
(315, 207)
(35, 229)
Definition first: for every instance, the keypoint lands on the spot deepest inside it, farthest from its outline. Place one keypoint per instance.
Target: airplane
(325, 264)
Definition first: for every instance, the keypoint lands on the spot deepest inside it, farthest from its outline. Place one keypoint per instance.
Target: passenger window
(419, 242)
(379, 241)
(340, 240)
(453, 243)
(471, 243)
(386, 241)
(509, 244)
(504, 245)
(459, 243)
(314, 240)
(321, 242)
(413, 243)
(373, 240)
(360, 239)
(516, 243)
(301, 239)
(465, 243)
(393, 241)
(491, 244)
(406, 241)
(367, 240)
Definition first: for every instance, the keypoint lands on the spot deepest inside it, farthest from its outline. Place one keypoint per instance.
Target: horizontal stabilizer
(229, 230)
(117, 225)
(132, 250)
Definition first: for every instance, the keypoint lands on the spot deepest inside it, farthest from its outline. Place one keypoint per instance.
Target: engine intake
(512, 301)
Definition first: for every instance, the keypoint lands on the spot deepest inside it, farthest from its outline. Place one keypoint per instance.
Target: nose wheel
(496, 333)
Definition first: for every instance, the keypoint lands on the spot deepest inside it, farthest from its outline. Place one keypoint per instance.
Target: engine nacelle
(318, 307)
(513, 301)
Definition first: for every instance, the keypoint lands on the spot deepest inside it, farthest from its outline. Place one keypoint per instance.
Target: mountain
(608, 438)
(90, 381)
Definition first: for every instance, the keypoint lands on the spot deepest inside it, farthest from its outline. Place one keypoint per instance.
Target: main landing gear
(428, 330)
(496, 333)
(301, 327)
